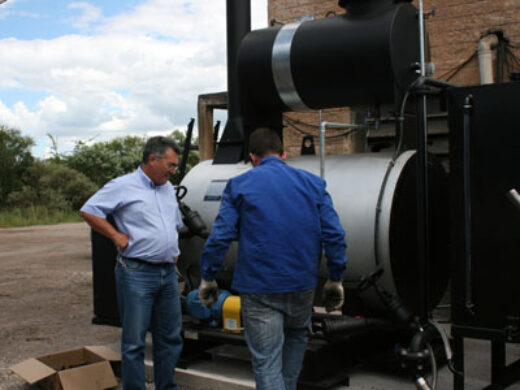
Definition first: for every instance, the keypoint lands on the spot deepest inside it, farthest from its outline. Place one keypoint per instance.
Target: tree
(54, 186)
(104, 161)
(15, 158)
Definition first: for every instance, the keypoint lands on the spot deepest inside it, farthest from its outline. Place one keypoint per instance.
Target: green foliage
(50, 191)
(36, 215)
(104, 161)
(54, 186)
(15, 158)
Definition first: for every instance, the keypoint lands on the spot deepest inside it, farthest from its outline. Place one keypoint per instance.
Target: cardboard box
(87, 368)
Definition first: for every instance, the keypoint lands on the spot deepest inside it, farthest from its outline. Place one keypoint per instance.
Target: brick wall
(454, 32)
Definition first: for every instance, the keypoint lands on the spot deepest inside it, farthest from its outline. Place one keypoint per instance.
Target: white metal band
(281, 66)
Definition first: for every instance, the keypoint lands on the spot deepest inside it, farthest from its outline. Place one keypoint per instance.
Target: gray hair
(157, 146)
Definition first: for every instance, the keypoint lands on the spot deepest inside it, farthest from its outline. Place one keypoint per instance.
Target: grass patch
(36, 215)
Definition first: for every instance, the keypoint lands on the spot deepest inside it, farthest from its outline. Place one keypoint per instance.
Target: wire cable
(453, 71)
(434, 367)
(293, 125)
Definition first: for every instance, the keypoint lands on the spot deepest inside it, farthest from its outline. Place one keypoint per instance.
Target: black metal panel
(486, 287)
(103, 278)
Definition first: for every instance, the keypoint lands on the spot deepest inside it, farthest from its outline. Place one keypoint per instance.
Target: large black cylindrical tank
(347, 60)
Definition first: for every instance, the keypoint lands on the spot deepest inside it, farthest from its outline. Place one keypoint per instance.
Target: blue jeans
(148, 298)
(276, 330)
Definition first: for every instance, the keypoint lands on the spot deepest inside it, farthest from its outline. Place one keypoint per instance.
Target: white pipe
(322, 149)
(485, 58)
(421, 40)
(333, 125)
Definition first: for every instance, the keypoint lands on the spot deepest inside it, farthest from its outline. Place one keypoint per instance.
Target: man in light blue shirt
(147, 215)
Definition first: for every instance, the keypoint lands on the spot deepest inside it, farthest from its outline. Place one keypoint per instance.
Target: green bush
(104, 161)
(53, 186)
(35, 215)
(44, 192)
(15, 158)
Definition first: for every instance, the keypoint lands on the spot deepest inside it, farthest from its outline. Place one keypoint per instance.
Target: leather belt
(147, 262)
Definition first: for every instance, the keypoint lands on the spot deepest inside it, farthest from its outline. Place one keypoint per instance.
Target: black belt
(147, 262)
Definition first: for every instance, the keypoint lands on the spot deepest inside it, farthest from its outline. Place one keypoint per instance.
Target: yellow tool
(231, 321)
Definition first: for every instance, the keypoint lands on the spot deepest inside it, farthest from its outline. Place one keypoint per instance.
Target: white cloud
(7, 117)
(141, 72)
(90, 14)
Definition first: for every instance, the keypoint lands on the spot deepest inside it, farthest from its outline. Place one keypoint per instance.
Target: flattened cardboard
(32, 370)
(87, 368)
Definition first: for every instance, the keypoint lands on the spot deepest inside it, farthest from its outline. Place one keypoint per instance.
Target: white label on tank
(230, 324)
(191, 335)
(215, 190)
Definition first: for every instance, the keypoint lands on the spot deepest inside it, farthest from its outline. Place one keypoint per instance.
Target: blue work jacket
(282, 217)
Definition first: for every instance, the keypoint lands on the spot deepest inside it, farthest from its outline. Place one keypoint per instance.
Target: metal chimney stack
(238, 25)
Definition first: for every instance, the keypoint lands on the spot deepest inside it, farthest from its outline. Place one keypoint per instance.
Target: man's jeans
(276, 330)
(148, 298)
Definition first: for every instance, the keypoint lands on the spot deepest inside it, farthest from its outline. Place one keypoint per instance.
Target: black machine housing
(367, 56)
(485, 237)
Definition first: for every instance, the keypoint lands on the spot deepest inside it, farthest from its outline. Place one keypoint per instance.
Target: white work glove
(208, 291)
(333, 295)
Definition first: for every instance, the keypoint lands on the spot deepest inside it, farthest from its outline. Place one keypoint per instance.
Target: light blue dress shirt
(148, 214)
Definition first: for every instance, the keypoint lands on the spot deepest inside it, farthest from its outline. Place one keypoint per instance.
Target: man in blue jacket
(282, 217)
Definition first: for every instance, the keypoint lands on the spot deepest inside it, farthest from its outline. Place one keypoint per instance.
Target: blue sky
(79, 69)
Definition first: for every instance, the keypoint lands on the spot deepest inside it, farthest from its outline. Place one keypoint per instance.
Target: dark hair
(157, 146)
(265, 140)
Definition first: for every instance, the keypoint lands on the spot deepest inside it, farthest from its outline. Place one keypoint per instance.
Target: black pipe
(350, 325)
(421, 338)
(468, 261)
(186, 151)
(433, 83)
(216, 130)
(238, 25)
(231, 148)
(373, 57)
(422, 208)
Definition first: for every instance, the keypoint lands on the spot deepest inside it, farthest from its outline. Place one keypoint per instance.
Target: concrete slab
(225, 372)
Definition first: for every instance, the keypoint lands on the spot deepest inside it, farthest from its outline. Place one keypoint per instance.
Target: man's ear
(283, 156)
(254, 159)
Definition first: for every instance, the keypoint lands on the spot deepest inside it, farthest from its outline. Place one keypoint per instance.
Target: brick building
(455, 28)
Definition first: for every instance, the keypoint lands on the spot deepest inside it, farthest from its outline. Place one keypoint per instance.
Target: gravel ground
(46, 306)
(45, 295)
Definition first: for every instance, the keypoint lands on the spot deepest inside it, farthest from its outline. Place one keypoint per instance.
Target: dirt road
(46, 306)
(45, 295)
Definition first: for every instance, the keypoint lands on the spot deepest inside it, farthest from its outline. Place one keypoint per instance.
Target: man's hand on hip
(333, 295)
(120, 240)
(208, 291)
